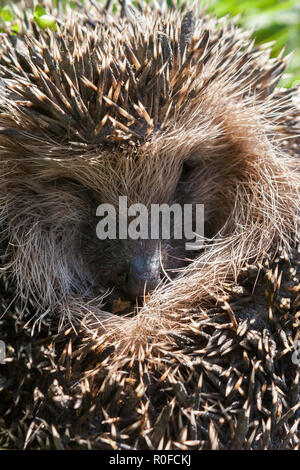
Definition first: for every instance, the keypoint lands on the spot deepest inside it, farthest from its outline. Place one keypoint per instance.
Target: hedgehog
(162, 107)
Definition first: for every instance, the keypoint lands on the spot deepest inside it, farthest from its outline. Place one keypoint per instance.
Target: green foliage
(271, 20)
(6, 13)
(43, 19)
(7, 16)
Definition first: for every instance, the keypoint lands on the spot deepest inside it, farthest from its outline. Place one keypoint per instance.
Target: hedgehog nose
(143, 276)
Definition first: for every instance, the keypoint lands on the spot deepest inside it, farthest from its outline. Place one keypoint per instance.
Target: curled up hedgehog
(162, 107)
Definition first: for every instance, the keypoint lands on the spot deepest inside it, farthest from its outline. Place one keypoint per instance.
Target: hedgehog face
(131, 268)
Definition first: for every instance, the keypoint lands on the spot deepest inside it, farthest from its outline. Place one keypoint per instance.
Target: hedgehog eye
(186, 171)
(123, 277)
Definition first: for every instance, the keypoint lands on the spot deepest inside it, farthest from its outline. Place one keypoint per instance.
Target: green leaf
(15, 28)
(6, 13)
(39, 11)
(43, 19)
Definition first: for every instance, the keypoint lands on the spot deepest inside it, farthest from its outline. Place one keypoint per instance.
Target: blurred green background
(271, 20)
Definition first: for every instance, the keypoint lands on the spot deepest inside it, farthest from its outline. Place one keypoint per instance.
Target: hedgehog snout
(143, 275)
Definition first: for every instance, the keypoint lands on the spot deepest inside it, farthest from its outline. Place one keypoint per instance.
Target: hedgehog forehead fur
(89, 114)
